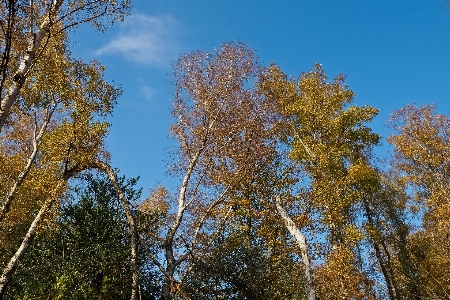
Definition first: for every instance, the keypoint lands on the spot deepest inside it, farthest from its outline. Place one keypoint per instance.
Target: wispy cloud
(147, 92)
(146, 39)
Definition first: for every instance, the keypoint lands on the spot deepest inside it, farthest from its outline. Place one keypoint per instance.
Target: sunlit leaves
(55, 108)
(422, 159)
(331, 143)
(422, 150)
(340, 278)
(217, 111)
(327, 137)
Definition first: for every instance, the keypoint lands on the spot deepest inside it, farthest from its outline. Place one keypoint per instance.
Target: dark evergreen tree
(85, 253)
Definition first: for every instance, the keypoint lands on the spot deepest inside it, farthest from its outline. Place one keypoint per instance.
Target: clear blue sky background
(393, 53)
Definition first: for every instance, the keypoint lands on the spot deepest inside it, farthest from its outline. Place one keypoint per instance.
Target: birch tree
(329, 140)
(219, 120)
(421, 157)
(27, 28)
(49, 109)
(48, 143)
(247, 255)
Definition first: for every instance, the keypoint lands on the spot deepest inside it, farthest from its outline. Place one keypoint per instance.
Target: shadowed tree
(84, 253)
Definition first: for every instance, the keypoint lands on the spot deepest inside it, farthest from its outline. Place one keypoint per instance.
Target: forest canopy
(280, 194)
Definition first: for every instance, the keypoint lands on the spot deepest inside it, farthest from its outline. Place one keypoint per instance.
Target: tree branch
(36, 140)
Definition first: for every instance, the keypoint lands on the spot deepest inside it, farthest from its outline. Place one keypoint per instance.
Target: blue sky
(393, 52)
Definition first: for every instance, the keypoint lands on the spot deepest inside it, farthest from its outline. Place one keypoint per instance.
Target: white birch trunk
(131, 223)
(301, 241)
(29, 58)
(36, 140)
(26, 242)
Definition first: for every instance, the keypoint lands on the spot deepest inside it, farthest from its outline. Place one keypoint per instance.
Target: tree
(219, 125)
(247, 253)
(332, 145)
(84, 253)
(421, 153)
(279, 195)
(49, 111)
(387, 229)
(65, 149)
(421, 159)
(243, 264)
(27, 29)
(44, 146)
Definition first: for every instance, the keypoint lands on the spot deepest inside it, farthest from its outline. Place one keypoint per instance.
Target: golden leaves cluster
(422, 159)
(68, 100)
(326, 136)
(422, 151)
(340, 278)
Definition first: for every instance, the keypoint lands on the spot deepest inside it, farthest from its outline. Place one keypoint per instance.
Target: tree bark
(301, 241)
(131, 223)
(168, 242)
(167, 287)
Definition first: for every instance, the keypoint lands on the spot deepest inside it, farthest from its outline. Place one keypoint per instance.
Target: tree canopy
(280, 195)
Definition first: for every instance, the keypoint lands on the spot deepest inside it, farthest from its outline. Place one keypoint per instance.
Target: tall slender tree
(50, 112)
(422, 159)
(219, 127)
(329, 140)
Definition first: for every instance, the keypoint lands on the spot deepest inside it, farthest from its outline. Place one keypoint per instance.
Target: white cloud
(147, 92)
(146, 39)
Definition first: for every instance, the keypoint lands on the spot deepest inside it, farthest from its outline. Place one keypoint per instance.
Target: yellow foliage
(339, 278)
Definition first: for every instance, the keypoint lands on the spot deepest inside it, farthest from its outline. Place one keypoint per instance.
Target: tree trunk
(29, 237)
(390, 280)
(28, 59)
(36, 140)
(166, 291)
(131, 223)
(301, 240)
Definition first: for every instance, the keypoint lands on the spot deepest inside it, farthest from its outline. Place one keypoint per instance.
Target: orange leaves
(218, 114)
